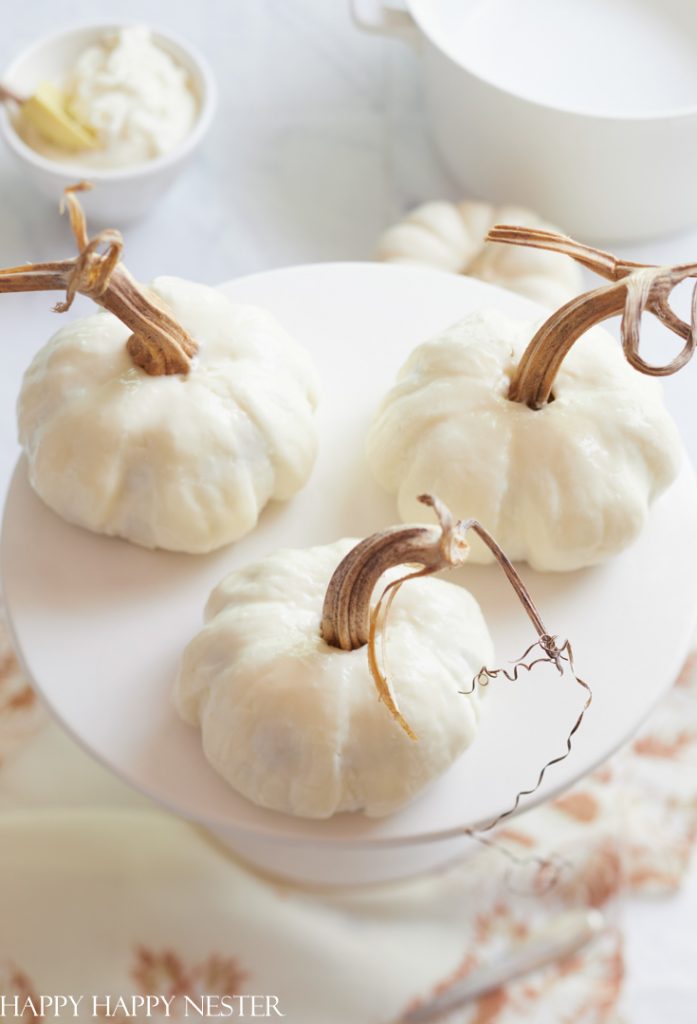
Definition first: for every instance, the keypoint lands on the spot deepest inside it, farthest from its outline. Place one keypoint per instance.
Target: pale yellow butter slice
(45, 110)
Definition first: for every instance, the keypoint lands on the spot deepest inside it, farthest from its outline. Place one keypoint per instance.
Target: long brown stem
(159, 345)
(348, 619)
(635, 287)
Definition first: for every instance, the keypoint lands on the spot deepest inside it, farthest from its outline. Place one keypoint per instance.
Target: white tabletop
(319, 142)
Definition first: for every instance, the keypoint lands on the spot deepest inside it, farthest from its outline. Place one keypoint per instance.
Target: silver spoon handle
(9, 94)
(560, 938)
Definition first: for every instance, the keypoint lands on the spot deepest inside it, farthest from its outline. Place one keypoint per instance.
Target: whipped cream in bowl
(142, 98)
(134, 98)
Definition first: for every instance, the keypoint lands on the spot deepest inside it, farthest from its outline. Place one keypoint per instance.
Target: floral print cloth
(105, 897)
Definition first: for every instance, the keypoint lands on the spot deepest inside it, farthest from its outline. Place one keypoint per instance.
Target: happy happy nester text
(138, 1006)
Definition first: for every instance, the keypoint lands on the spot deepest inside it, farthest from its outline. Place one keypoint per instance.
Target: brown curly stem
(159, 345)
(348, 619)
(635, 287)
(347, 603)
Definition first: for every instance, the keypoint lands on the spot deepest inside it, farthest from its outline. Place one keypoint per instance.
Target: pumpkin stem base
(634, 288)
(349, 622)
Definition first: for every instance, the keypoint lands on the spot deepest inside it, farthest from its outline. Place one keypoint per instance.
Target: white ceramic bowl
(583, 110)
(122, 194)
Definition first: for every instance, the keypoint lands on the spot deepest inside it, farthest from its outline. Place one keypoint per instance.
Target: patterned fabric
(184, 918)
(21, 713)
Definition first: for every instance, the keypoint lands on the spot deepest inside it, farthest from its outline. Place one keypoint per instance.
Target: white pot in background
(581, 109)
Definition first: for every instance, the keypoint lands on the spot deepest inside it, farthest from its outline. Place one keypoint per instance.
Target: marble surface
(319, 142)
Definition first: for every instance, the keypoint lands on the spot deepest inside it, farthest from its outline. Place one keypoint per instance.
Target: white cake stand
(100, 624)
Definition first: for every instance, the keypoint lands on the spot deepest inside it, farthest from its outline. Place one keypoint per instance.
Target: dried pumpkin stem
(159, 345)
(348, 618)
(347, 604)
(634, 288)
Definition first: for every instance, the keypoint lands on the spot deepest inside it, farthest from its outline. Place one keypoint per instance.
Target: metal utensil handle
(9, 94)
(560, 938)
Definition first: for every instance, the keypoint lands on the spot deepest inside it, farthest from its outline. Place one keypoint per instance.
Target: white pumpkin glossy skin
(297, 726)
(179, 462)
(562, 487)
(451, 236)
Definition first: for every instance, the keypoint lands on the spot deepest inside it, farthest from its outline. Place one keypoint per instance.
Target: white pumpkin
(561, 487)
(295, 724)
(170, 418)
(451, 236)
(178, 462)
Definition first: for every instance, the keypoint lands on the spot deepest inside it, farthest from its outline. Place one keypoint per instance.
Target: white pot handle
(383, 18)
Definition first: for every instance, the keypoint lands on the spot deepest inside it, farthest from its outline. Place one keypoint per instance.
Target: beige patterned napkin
(103, 896)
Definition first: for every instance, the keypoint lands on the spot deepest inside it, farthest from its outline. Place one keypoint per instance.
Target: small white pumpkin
(562, 464)
(177, 447)
(452, 236)
(280, 681)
